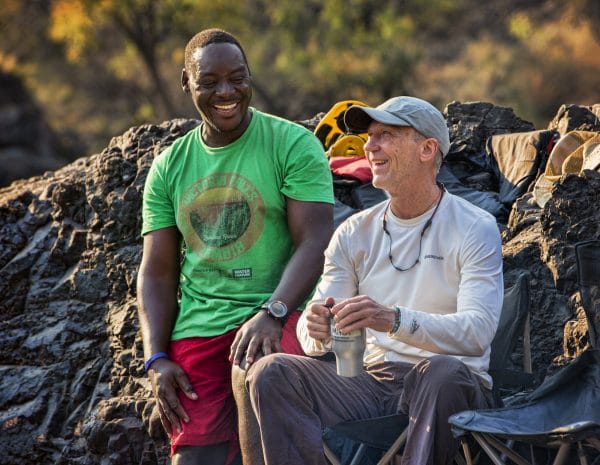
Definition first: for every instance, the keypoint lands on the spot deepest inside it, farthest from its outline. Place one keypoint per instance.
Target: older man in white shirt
(422, 273)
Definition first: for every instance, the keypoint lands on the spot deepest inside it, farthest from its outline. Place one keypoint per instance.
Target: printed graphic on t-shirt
(222, 215)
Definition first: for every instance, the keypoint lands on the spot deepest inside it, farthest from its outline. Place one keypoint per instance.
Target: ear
(429, 148)
(185, 81)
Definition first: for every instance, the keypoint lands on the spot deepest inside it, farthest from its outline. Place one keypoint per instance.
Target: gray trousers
(295, 398)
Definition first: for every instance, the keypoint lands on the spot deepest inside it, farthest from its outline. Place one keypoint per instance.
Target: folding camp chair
(565, 410)
(514, 323)
(561, 413)
(387, 434)
(587, 255)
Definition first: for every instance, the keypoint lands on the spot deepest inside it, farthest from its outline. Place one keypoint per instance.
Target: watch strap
(267, 308)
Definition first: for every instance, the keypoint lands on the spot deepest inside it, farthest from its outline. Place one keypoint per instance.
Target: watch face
(277, 309)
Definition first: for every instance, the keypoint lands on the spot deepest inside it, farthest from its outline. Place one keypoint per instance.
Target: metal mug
(349, 350)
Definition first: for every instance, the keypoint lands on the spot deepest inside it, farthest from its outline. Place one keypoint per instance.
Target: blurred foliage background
(97, 67)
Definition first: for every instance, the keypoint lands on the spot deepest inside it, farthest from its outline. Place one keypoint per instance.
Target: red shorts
(213, 416)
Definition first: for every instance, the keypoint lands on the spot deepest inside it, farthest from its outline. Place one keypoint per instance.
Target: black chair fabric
(377, 434)
(566, 405)
(515, 309)
(564, 410)
(588, 276)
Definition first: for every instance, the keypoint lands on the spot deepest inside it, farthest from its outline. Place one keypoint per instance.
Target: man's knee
(238, 381)
(441, 371)
(268, 373)
(439, 380)
(446, 365)
(240, 378)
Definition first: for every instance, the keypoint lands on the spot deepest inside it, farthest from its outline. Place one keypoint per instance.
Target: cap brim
(357, 118)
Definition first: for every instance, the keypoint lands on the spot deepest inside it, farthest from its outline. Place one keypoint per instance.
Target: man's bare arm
(157, 285)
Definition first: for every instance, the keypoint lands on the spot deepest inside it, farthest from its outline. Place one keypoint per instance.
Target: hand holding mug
(318, 316)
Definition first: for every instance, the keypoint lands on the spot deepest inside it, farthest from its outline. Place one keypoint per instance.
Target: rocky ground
(72, 386)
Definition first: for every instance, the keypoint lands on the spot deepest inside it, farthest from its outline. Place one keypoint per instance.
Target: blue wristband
(153, 359)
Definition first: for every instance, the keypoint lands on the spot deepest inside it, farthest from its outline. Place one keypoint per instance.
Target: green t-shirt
(229, 203)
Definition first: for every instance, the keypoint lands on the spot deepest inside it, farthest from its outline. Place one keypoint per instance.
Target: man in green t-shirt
(249, 198)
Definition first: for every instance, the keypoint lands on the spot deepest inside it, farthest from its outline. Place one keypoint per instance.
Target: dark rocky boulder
(71, 378)
(72, 386)
(541, 241)
(471, 123)
(571, 117)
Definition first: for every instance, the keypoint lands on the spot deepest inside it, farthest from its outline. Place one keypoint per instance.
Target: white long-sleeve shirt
(450, 302)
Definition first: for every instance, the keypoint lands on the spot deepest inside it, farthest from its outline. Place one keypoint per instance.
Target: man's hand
(318, 318)
(261, 333)
(166, 377)
(362, 312)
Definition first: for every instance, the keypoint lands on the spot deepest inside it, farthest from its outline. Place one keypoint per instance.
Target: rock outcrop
(71, 377)
(571, 117)
(72, 385)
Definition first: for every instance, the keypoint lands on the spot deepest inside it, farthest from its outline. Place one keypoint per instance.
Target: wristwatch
(276, 310)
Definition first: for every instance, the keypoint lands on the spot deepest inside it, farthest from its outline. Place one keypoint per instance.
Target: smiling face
(394, 155)
(219, 82)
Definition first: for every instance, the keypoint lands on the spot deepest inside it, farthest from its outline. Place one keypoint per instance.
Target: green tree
(100, 66)
(314, 53)
(84, 26)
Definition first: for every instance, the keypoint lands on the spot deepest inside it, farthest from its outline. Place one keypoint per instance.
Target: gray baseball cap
(402, 111)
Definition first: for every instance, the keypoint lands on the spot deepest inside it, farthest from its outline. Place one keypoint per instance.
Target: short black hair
(207, 37)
